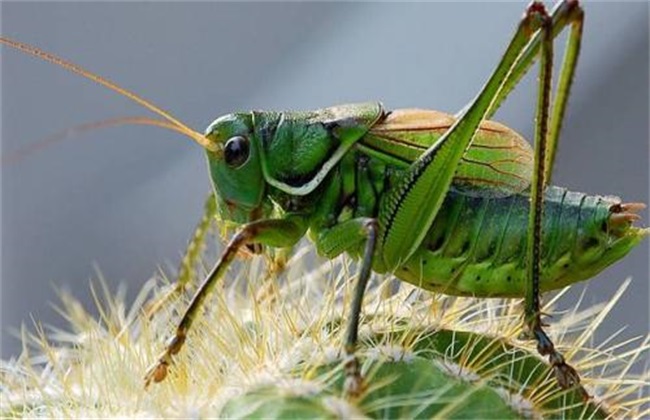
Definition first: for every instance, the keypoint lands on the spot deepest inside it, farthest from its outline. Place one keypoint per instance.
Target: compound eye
(236, 151)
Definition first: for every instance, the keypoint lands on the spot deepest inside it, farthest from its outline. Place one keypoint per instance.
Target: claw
(567, 377)
(354, 384)
(158, 371)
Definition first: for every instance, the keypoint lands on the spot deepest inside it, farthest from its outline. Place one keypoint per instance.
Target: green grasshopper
(453, 204)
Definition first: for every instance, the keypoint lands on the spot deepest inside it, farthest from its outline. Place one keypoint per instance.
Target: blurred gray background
(126, 199)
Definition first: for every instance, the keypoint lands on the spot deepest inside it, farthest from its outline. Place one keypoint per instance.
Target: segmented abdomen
(477, 245)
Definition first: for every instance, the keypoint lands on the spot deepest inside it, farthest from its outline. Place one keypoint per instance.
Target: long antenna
(12, 157)
(182, 128)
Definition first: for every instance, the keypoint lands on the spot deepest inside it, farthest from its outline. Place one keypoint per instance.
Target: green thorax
(299, 149)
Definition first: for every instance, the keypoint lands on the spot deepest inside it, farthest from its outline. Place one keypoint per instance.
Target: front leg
(275, 233)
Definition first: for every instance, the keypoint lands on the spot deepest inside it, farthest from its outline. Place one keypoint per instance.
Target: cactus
(276, 354)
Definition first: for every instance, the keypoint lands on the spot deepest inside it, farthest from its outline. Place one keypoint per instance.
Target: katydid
(443, 202)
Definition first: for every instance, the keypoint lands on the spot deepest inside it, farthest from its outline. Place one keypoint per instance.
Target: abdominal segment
(477, 245)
